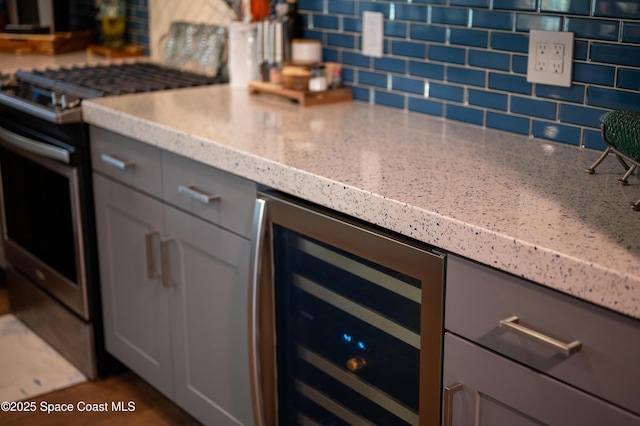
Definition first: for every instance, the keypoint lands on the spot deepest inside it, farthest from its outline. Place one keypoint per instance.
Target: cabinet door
(135, 304)
(497, 391)
(210, 272)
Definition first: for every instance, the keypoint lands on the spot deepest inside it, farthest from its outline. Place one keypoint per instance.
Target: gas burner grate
(115, 79)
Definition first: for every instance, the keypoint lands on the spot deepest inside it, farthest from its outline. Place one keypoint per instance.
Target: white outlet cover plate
(372, 33)
(548, 76)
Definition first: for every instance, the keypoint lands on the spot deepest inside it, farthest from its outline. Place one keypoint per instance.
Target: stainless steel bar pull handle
(196, 193)
(512, 324)
(165, 256)
(152, 269)
(257, 252)
(116, 162)
(448, 393)
(34, 147)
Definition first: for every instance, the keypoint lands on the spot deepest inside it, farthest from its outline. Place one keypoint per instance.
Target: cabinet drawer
(126, 160)
(478, 298)
(497, 391)
(211, 194)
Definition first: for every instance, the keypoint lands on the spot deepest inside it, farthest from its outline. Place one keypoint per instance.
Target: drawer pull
(116, 162)
(448, 402)
(193, 192)
(566, 349)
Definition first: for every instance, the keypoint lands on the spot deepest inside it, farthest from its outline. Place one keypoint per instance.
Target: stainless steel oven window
(48, 197)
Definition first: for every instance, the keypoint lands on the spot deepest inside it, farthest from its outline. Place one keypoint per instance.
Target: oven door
(40, 208)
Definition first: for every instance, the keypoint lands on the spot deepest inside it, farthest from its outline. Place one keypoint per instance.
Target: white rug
(28, 365)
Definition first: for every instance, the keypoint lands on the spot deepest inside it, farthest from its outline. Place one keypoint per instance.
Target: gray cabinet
(525, 354)
(174, 281)
(135, 305)
(494, 390)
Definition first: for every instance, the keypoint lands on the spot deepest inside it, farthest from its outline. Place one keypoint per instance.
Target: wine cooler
(347, 321)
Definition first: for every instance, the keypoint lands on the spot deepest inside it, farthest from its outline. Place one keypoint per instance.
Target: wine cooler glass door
(357, 322)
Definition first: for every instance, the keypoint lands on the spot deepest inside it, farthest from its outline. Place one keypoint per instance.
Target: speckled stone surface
(521, 205)
(10, 62)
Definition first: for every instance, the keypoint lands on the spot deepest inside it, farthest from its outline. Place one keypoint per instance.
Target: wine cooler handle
(257, 253)
(449, 391)
(152, 269)
(165, 258)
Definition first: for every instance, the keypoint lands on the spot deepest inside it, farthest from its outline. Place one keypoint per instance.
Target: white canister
(306, 51)
(243, 54)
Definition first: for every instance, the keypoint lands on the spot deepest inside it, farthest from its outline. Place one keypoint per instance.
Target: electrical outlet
(550, 57)
(372, 32)
(542, 57)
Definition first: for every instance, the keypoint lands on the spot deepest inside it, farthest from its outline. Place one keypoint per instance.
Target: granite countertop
(11, 62)
(522, 205)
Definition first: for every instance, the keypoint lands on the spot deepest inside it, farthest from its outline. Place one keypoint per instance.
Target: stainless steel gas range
(47, 202)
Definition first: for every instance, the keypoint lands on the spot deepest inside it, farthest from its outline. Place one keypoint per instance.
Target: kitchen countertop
(522, 205)
(10, 62)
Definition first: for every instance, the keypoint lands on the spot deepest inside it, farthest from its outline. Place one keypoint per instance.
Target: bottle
(113, 15)
(317, 78)
(292, 27)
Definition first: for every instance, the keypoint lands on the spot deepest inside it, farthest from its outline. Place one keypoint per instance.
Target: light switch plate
(550, 57)
(372, 33)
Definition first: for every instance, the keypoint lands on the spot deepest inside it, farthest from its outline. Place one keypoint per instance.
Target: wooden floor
(150, 407)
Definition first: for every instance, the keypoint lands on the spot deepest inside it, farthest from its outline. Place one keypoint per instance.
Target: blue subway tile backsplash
(451, 16)
(515, 4)
(491, 100)
(492, 20)
(631, 32)
(466, 60)
(508, 123)
(599, 29)
(617, 9)
(465, 114)
(475, 63)
(629, 79)
(581, 7)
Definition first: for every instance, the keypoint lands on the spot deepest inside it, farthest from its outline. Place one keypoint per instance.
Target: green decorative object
(622, 130)
(621, 133)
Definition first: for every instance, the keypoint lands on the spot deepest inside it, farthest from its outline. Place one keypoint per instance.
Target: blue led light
(361, 345)
(346, 337)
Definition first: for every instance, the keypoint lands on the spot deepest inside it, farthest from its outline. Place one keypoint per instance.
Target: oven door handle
(34, 147)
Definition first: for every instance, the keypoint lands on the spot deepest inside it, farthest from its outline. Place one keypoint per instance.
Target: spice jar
(317, 78)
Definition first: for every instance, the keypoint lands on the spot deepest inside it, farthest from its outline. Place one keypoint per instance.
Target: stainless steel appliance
(346, 321)
(47, 201)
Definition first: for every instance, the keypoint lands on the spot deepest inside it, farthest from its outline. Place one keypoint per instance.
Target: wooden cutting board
(46, 44)
(340, 94)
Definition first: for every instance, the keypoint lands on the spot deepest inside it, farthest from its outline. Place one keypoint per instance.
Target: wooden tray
(129, 51)
(340, 94)
(45, 44)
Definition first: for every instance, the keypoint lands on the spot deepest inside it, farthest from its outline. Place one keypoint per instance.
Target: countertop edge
(560, 272)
